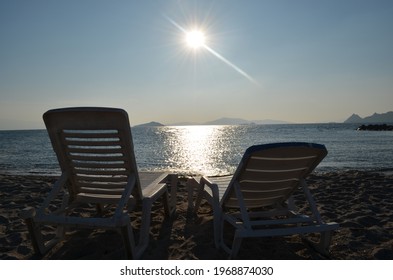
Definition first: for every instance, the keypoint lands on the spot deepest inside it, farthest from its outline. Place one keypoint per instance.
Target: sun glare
(195, 39)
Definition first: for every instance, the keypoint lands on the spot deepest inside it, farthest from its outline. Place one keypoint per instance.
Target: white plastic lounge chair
(96, 156)
(256, 200)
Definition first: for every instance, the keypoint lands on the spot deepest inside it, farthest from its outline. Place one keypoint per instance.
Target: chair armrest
(213, 186)
(206, 181)
(212, 197)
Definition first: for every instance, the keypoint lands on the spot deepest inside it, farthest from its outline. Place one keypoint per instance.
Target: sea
(213, 150)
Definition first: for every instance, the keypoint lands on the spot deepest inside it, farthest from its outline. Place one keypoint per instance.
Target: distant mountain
(375, 118)
(150, 124)
(269, 121)
(237, 121)
(183, 124)
(354, 119)
(221, 121)
(228, 121)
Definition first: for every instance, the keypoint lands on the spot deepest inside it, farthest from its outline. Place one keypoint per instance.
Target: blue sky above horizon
(313, 61)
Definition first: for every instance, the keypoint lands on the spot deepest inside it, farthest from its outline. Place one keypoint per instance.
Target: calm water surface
(211, 150)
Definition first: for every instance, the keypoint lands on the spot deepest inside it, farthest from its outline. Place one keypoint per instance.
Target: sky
(304, 61)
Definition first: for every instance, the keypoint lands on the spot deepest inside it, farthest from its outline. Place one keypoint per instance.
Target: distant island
(237, 121)
(150, 124)
(228, 121)
(234, 121)
(221, 121)
(375, 118)
(354, 118)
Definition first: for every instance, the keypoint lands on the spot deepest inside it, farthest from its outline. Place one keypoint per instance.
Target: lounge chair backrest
(94, 145)
(268, 174)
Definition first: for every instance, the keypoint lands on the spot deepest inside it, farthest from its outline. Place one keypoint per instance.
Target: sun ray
(223, 59)
(195, 40)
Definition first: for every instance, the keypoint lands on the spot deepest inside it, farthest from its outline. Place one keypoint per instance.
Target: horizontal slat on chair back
(94, 147)
(269, 176)
(97, 160)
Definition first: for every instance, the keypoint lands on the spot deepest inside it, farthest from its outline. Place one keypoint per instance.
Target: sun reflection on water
(200, 150)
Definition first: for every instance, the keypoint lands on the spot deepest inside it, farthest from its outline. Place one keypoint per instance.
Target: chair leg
(191, 185)
(36, 237)
(217, 223)
(323, 245)
(40, 248)
(324, 242)
(169, 209)
(145, 226)
(217, 213)
(172, 199)
(236, 244)
(129, 241)
(147, 204)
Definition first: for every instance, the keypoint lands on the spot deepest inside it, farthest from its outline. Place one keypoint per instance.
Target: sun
(195, 39)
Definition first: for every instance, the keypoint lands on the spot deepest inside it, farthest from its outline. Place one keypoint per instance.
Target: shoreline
(323, 170)
(360, 201)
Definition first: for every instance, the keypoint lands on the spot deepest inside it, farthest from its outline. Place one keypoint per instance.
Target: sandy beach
(361, 202)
